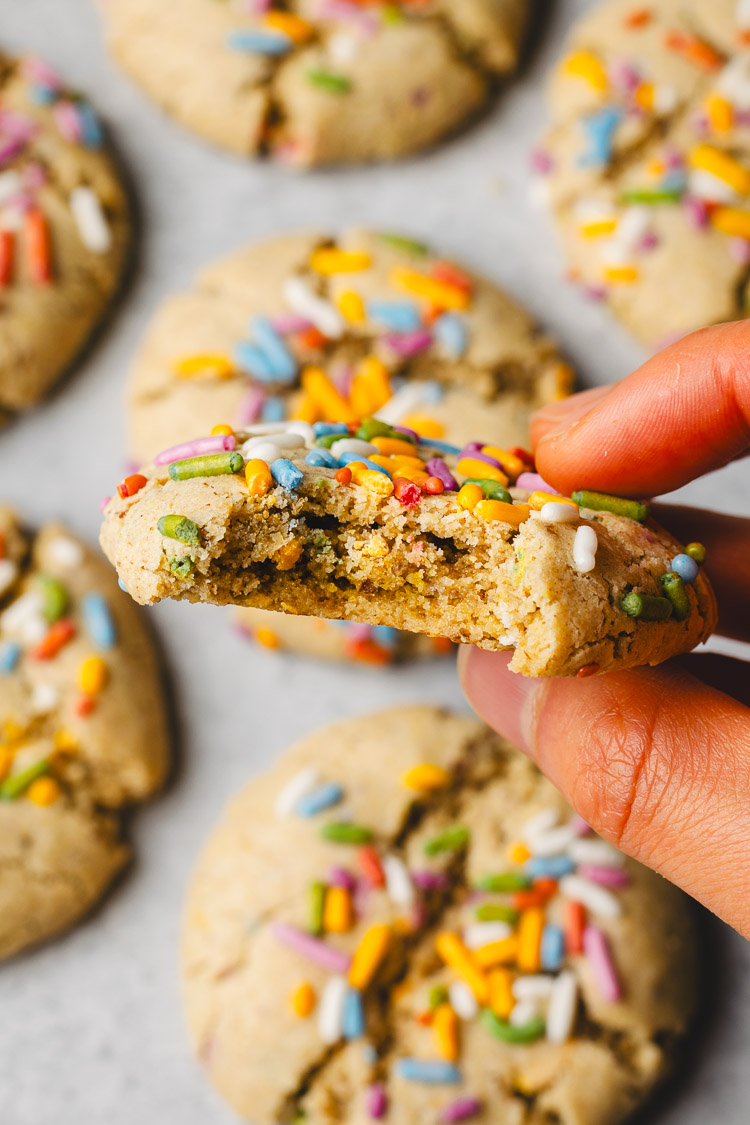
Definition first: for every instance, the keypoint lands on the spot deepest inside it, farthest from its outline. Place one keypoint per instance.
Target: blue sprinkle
(259, 42)
(273, 410)
(91, 130)
(254, 360)
(43, 95)
(432, 391)
(318, 800)
(675, 180)
(549, 866)
(430, 1072)
(283, 363)
(322, 429)
(286, 473)
(346, 458)
(600, 130)
(122, 585)
(10, 654)
(552, 948)
(386, 636)
(369, 1054)
(441, 446)
(452, 333)
(686, 567)
(321, 459)
(99, 621)
(353, 1019)
(399, 316)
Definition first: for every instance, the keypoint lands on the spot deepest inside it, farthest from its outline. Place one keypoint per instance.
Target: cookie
(403, 921)
(318, 82)
(83, 733)
(647, 164)
(373, 524)
(64, 229)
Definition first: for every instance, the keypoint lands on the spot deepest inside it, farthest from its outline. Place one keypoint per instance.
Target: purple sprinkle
(624, 76)
(477, 455)
(438, 468)
(249, 409)
(532, 482)
(595, 292)
(340, 877)
(649, 241)
(377, 1102)
(10, 148)
(473, 447)
(407, 432)
(697, 211)
(311, 947)
(221, 443)
(541, 162)
(408, 343)
(461, 1110)
(430, 880)
(604, 876)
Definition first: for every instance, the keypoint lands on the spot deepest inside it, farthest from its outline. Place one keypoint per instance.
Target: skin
(656, 760)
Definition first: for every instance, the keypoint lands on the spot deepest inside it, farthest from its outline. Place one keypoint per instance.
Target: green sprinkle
(211, 465)
(178, 527)
(504, 883)
(452, 840)
(327, 80)
(392, 14)
(600, 502)
(438, 995)
(373, 427)
(696, 551)
(652, 196)
(344, 833)
(408, 245)
(316, 903)
(674, 590)
(325, 441)
(646, 606)
(16, 786)
(492, 489)
(496, 912)
(182, 568)
(507, 1033)
(54, 598)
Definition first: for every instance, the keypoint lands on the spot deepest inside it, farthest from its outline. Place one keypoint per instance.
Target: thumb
(654, 759)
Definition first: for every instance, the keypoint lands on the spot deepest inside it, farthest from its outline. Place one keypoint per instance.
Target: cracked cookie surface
(647, 163)
(462, 845)
(312, 82)
(83, 734)
(64, 229)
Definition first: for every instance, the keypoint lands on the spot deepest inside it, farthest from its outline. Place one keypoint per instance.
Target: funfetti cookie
(647, 163)
(317, 327)
(372, 523)
(318, 82)
(64, 228)
(403, 921)
(83, 733)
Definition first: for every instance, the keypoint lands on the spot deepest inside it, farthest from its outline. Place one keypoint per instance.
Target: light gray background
(90, 1027)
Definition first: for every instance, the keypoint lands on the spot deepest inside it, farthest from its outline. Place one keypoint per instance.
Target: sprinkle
(426, 777)
(256, 41)
(462, 1000)
(44, 791)
(90, 221)
(486, 933)
(353, 1021)
(311, 948)
(492, 510)
(258, 477)
(329, 261)
(369, 955)
(600, 129)
(317, 800)
(600, 502)
(686, 566)
(323, 393)
(409, 344)
(558, 512)
(428, 1072)
(283, 364)
(596, 948)
(575, 920)
(303, 300)
(469, 495)
(316, 896)
(398, 881)
(724, 167)
(696, 551)
(480, 466)
(502, 1000)
(496, 912)
(552, 948)
(7, 248)
(406, 492)
(302, 1000)
(351, 306)
(338, 916)
(345, 833)
(178, 527)
(695, 50)
(406, 245)
(37, 247)
(492, 490)
(353, 445)
(56, 638)
(457, 957)
(604, 876)
(561, 1011)
(452, 334)
(585, 65)
(529, 939)
(371, 867)
(377, 1102)
(646, 606)
(674, 590)
(14, 787)
(294, 790)
(596, 899)
(286, 474)
(331, 1010)
(210, 465)
(445, 1031)
(92, 675)
(505, 883)
(131, 485)
(89, 128)
(594, 850)
(340, 877)
(436, 467)
(441, 293)
(452, 840)
(327, 80)
(10, 654)
(508, 1033)
(344, 476)
(585, 546)
(501, 952)
(298, 30)
(399, 316)
(218, 444)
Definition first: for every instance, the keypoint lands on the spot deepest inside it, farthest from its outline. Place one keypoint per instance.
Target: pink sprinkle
(34, 177)
(286, 324)
(739, 249)
(461, 1110)
(343, 377)
(340, 877)
(219, 444)
(596, 948)
(697, 211)
(67, 121)
(311, 947)
(541, 162)
(408, 343)
(430, 880)
(532, 482)
(349, 13)
(624, 77)
(649, 241)
(377, 1102)
(579, 826)
(10, 148)
(250, 408)
(357, 633)
(37, 70)
(595, 292)
(604, 876)
(103, 502)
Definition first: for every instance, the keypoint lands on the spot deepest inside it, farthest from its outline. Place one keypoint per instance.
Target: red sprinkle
(37, 247)
(406, 492)
(575, 922)
(452, 275)
(587, 670)
(433, 486)
(131, 485)
(369, 863)
(442, 645)
(84, 706)
(7, 243)
(425, 1018)
(57, 637)
(311, 339)
(344, 476)
(524, 455)
(368, 652)
(538, 895)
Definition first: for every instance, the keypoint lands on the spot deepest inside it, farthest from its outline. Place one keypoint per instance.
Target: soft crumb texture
(83, 733)
(343, 85)
(64, 229)
(257, 871)
(346, 552)
(647, 164)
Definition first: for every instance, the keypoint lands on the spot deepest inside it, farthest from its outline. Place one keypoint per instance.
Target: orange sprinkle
(502, 1000)
(344, 476)
(518, 853)
(37, 247)
(445, 1030)
(267, 638)
(639, 18)
(394, 447)
(369, 863)
(222, 430)
(84, 705)
(57, 637)
(44, 791)
(575, 921)
(448, 272)
(541, 892)
(7, 245)
(131, 485)
(529, 939)
(368, 652)
(695, 50)
(311, 339)
(6, 761)
(434, 486)
(587, 670)
(442, 645)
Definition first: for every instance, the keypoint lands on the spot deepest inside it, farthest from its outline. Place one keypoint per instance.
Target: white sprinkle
(65, 552)
(353, 445)
(595, 851)
(8, 574)
(398, 881)
(263, 450)
(734, 80)
(331, 1010)
(279, 442)
(343, 47)
(554, 512)
(594, 211)
(24, 618)
(304, 429)
(296, 788)
(665, 99)
(743, 13)
(44, 698)
(90, 221)
(584, 549)
(523, 1013)
(705, 185)
(633, 226)
(561, 1012)
(404, 402)
(542, 822)
(264, 429)
(595, 898)
(533, 988)
(484, 933)
(301, 299)
(552, 842)
(10, 184)
(463, 1000)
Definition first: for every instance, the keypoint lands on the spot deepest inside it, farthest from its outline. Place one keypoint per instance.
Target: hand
(656, 760)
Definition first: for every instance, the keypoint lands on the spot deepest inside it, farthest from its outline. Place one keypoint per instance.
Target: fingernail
(507, 702)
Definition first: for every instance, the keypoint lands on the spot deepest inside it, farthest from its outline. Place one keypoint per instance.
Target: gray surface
(90, 1027)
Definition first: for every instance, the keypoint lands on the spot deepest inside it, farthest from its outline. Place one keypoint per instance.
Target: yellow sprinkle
(267, 638)
(258, 477)
(457, 957)
(12, 731)
(222, 431)
(470, 467)
(720, 113)
(518, 853)
(299, 31)
(394, 447)
(498, 510)
(351, 306)
(512, 465)
(497, 952)
(502, 1000)
(427, 427)
(469, 495)
(537, 500)
(65, 741)
(529, 939)
(92, 675)
(408, 472)
(286, 557)
(371, 387)
(724, 167)
(305, 410)
(218, 365)
(302, 1000)
(321, 390)
(426, 777)
(6, 761)
(585, 65)
(624, 275)
(329, 261)
(401, 461)
(372, 480)
(445, 1031)
(369, 956)
(338, 916)
(440, 293)
(644, 95)
(732, 221)
(43, 791)
(599, 229)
